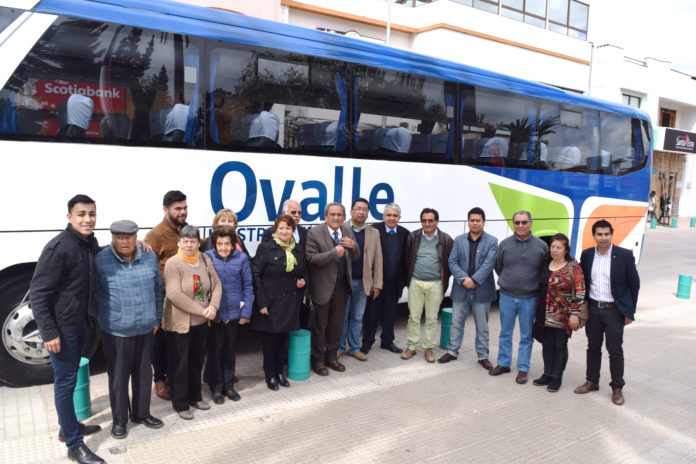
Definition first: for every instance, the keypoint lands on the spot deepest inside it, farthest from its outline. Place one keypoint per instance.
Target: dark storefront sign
(676, 140)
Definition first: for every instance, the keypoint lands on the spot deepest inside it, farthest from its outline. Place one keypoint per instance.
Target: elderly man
(427, 252)
(517, 265)
(471, 262)
(330, 250)
(293, 209)
(393, 243)
(128, 304)
(367, 277)
(612, 282)
(60, 291)
(164, 239)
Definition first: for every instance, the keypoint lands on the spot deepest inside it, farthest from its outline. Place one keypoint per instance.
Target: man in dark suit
(612, 283)
(393, 240)
(330, 250)
(291, 208)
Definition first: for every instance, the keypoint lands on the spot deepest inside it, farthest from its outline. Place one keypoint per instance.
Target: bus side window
(623, 144)
(570, 137)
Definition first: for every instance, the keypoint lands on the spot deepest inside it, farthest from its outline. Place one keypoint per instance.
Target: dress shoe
(320, 369)
(186, 415)
(541, 381)
(233, 395)
(162, 390)
(521, 377)
(235, 379)
(408, 354)
(393, 348)
(360, 356)
(486, 364)
(84, 455)
(497, 370)
(218, 398)
(445, 358)
(150, 422)
(554, 384)
(283, 381)
(202, 405)
(119, 431)
(587, 387)
(337, 366)
(429, 355)
(617, 397)
(84, 430)
(272, 382)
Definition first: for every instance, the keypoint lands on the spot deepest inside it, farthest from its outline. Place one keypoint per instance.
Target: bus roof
(227, 26)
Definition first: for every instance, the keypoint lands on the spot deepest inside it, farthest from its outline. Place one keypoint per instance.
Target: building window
(668, 118)
(630, 100)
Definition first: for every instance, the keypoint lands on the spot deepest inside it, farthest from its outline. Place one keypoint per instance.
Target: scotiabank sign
(676, 140)
(49, 94)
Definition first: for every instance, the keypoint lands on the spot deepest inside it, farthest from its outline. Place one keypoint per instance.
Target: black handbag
(307, 311)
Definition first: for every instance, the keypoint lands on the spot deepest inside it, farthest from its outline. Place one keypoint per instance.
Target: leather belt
(602, 304)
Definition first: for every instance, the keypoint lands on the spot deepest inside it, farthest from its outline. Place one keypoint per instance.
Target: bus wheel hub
(21, 338)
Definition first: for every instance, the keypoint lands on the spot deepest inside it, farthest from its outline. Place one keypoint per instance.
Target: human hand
(340, 250)
(347, 242)
(627, 321)
(243, 320)
(53, 345)
(154, 331)
(375, 293)
(145, 246)
(574, 322)
(264, 311)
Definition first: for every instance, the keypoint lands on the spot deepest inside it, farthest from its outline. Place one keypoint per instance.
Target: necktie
(335, 238)
(392, 232)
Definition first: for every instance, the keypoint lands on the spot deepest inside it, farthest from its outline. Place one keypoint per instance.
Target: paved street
(392, 411)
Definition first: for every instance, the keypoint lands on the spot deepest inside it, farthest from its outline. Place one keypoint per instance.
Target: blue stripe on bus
(216, 24)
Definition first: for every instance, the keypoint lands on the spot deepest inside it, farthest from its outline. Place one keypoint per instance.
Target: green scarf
(288, 247)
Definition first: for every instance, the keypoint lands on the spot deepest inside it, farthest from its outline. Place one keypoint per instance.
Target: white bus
(124, 100)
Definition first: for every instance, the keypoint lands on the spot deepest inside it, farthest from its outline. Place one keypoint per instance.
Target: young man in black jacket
(60, 293)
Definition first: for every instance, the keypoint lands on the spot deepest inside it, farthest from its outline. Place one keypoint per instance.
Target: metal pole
(389, 2)
(589, 79)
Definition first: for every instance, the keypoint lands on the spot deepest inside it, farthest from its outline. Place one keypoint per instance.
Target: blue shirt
(128, 295)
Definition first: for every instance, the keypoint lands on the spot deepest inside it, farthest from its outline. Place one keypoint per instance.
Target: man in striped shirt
(612, 284)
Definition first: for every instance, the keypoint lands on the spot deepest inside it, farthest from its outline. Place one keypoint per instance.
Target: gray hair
(190, 231)
(329, 205)
(529, 215)
(393, 206)
(285, 204)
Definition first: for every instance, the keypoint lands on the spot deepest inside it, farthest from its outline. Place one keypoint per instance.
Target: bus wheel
(24, 360)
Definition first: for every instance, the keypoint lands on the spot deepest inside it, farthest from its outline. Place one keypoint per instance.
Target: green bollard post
(299, 350)
(684, 286)
(653, 223)
(81, 398)
(446, 323)
(692, 224)
(674, 223)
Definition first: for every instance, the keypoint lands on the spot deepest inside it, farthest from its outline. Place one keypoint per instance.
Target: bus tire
(23, 359)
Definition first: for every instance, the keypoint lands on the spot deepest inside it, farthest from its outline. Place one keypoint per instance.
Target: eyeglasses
(521, 223)
(295, 212)
(428, 221)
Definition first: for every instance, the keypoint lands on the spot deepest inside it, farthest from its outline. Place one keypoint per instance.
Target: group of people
(173, 303)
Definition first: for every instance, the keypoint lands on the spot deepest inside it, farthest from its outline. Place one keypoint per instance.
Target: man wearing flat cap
(128, 304)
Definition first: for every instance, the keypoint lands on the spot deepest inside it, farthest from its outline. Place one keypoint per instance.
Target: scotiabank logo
(49, 94)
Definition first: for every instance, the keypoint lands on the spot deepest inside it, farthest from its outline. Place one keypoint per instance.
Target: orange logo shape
(623, 219)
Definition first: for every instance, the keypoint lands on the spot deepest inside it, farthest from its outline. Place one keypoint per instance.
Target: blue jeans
(510, 309)
(65, 366)
(460, 311)
(352, 325)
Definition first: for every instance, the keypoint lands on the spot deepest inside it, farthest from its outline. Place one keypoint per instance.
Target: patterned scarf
(288, 247)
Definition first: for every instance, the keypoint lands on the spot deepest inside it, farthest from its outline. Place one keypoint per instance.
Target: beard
(176, 221)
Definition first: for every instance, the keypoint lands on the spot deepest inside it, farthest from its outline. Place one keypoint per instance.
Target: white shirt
(296, 235)
(431, 237)
(331, 232)
(600, 289)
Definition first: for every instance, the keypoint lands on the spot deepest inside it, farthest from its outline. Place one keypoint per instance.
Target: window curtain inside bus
(8, 125)
(214, 61)
(449, 104)
(356, 113)
(342, 89)
(191, 60)
(638, 141)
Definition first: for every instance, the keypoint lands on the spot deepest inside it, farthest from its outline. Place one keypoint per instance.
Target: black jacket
(402, 236)
(268, 234)
(60, 288)
(276, 289)
(623, 275)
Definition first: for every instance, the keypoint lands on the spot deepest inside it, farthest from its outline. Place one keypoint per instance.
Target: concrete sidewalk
(389, 410)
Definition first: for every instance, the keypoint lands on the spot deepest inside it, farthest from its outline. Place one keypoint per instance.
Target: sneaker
(186, 415)
(429, 355)
(202, 405)
(408, 353)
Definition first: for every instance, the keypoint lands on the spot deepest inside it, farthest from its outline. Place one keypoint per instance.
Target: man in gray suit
(471, 262)
(330, 250)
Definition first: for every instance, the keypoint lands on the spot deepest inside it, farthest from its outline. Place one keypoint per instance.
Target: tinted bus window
(499, 128)
(7, 16)
(569, 137)
(402, 115)
(92, 81)
(622, 145)
(276, 101)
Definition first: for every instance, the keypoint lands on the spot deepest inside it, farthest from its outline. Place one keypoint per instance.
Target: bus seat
(420, 143)
(263, 130)
(396, 139)
(157, 119)
(327, 135)
(175, 123)
(495, 151)
(115, 126)
(74, 116)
